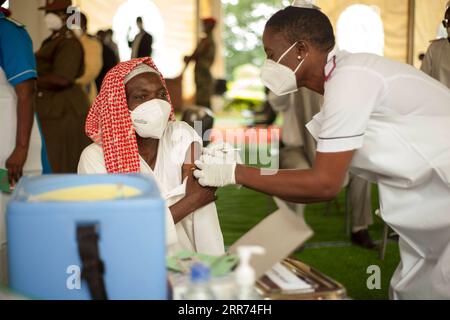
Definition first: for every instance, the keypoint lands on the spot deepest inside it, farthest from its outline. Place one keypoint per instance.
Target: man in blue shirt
(20, 145)
(18, 75)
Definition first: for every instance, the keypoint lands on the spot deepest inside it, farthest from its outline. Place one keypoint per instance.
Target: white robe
(200, 231)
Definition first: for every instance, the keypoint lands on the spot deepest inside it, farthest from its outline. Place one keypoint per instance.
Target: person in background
(20, 146)
(61, 104)
(109, 59)
(299, 150)
(360, 202)
(101, 34)
(421, 57)
(218, 97)
(6, 12)
(204, 56)
(109, 41)
(133, 128)
(141, 46)
(93, 63)
(437, 59)
(266, 115)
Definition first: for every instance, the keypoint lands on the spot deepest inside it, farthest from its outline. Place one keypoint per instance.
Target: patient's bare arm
(196, 196)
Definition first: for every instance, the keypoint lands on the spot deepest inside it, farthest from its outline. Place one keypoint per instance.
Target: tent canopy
(396, 16)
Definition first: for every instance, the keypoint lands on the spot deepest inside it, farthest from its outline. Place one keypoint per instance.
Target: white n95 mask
(278, 78)
(150, 118)
(53, 21)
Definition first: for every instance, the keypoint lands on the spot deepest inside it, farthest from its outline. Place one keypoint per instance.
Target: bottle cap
(200, 273)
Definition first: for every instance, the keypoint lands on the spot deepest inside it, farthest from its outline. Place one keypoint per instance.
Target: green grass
(241, 209)
(348, 265)
(329, 250)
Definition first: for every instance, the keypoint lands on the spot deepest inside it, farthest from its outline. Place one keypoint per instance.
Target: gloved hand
(224, 151)
(217, 165)
(214, 172)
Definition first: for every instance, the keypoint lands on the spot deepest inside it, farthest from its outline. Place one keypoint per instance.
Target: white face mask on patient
(150, 118)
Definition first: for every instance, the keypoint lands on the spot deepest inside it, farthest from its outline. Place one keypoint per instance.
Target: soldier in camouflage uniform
(204, 56)
(61, 104)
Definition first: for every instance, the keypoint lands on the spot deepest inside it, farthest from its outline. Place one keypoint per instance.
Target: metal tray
(324, 288)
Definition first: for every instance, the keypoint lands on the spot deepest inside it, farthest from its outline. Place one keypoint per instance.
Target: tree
(243, 28)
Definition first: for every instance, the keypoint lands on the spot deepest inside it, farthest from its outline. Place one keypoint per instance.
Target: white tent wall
(182, 28)
(428, 17)
(179, 27)
(395, 16)
(26, 11)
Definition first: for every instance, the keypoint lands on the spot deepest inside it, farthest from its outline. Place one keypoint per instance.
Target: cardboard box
(280, 234)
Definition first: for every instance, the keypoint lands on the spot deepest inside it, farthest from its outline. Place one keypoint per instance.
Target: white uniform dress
(398, 121)
(199, 231)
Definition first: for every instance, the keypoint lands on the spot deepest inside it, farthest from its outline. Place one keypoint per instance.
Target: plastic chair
(384, 238)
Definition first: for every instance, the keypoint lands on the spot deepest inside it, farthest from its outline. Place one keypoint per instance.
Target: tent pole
(197, 21)
(411, 25)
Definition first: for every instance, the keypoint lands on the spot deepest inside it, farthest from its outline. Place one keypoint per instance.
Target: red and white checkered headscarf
(109, 122)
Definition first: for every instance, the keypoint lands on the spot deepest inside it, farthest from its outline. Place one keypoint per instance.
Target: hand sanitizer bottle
(199, 288)
(245, 275)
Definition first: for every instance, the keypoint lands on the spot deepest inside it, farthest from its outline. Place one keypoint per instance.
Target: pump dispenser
(245, 274)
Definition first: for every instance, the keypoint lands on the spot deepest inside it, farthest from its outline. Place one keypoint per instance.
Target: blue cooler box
(42, 239)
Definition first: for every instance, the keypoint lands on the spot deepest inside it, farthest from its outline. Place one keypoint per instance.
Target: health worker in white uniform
(385, 121)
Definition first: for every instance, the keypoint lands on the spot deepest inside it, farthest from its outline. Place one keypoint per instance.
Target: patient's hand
(200, 196)
(196, 196)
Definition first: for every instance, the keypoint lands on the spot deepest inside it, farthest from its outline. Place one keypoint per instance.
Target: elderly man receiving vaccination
(134, 130)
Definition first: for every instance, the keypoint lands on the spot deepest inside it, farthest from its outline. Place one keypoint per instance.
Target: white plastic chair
(384, 239)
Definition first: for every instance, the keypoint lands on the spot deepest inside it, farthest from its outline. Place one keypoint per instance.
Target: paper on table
(280, 234)
(286, 280)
